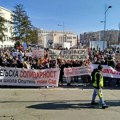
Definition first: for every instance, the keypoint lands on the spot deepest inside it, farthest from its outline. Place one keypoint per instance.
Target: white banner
(74, 54)
(26, 77)
(117, 57)
(78, 71)
(54, 54)
(29, 54)
(108, 71)
(38, 53)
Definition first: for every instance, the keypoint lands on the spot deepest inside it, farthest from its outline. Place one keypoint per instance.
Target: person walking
(98, 85)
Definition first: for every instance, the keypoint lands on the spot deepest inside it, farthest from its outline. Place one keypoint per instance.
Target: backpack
(93, 74)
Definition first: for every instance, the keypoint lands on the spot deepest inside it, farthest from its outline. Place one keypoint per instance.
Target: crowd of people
(17, 57)
(107, 57)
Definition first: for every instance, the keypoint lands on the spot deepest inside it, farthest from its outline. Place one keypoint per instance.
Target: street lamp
(63, 29)
(119, 34)
(106, 9)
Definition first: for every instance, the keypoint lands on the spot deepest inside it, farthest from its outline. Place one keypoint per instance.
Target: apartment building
(56, 39)
(7, 15)
(111, 36)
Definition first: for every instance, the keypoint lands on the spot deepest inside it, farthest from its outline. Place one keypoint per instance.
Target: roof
(6, 9)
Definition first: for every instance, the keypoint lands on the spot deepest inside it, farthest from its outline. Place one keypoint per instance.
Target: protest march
(36, 66)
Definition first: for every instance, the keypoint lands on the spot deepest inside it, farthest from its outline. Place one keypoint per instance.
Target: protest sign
(29, 54)
(38, 53)
(108, 71)
(54, 54)
(29, 77)
(77, 71)
(86, 70)
(74, 54)
(117, 56)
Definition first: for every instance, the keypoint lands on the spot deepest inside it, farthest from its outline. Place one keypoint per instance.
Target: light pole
(63, 29)
(119, 34)
(106, 9)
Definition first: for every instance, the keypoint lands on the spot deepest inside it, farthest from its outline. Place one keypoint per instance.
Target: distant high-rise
(111, 36)
(119, 35)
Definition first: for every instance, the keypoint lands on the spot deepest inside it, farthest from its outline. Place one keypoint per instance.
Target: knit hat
(100, 67)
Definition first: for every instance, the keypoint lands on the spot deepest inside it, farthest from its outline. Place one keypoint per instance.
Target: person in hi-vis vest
(98, 85)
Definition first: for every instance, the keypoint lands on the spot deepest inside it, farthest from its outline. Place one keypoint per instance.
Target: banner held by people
(117, 57)
(86, 70)
(38, 53)
(77, 71)
(74, 54)
(54, 54)
(28, 77)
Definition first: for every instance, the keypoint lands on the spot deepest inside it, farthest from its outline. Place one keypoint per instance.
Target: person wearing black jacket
(1, 62)
(61, 66)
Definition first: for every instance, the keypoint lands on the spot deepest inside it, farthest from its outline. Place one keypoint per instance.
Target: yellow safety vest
(95, 81)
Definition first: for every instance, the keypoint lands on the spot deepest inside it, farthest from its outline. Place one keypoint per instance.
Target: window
(11, 29)
(69, 37)
(4, 38)
(7, 38)
(6, 30)
(74, 37)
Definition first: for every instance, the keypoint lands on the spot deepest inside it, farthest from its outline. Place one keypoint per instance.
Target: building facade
(56, 39)
(7, 15)
(110, 36)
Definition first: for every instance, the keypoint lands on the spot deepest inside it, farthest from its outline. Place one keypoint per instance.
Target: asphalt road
(57, 104)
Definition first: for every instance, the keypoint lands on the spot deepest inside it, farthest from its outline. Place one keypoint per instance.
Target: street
(70, 103)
